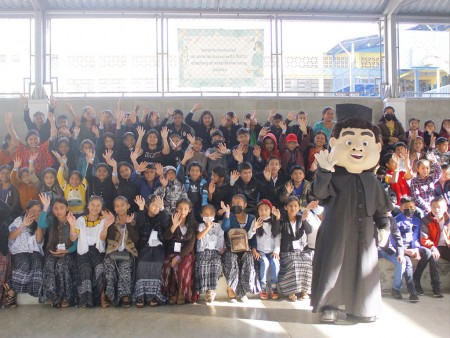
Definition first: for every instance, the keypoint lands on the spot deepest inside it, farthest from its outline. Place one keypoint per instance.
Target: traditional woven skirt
(295, 272)
(59, 279)
(27, 273)
(5, 275)
(119, 278)
(148, 274)
(239, 271)
(90, 277)
(180, 278)
(208, 270)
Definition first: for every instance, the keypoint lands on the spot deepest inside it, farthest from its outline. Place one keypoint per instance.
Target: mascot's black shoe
(328, 316)
(360, 319)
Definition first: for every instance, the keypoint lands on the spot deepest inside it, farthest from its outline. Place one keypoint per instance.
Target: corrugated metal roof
(418, 7)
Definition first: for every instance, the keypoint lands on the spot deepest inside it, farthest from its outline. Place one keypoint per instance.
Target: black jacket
(287, 236)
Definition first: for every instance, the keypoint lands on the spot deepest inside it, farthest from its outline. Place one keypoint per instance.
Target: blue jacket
(409, 229)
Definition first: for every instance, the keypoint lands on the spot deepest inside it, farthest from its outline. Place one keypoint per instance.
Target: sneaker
(244, 299)
(413, 298)
(437, 293)
(396, 294)
(328, 316)
(263, 295)
(418, 288)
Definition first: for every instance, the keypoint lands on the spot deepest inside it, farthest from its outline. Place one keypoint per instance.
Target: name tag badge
(61, 246)
(177, 247)
(296, 245)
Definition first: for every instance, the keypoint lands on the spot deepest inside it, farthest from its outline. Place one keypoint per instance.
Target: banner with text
(220, 57)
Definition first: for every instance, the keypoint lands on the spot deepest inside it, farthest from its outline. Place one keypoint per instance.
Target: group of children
(415, 171)
(116, 209)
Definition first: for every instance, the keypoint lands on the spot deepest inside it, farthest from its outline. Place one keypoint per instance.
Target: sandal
(210, 296)
(104, 301)
(65, 303)
(292, 298)
(173, 300)
(231, 295)
(181, 300)
(10, 296)
(154, 303)
(304, 295)
(140, 303)
(125, 302)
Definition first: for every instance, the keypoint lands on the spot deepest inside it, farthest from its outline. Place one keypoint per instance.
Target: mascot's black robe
(345, 266)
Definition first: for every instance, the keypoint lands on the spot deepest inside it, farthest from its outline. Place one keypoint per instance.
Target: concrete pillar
(390, 54)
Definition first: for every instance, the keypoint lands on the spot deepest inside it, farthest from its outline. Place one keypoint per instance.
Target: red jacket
(430, 232)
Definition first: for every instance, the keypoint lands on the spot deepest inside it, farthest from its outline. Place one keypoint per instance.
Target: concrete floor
(428, 318)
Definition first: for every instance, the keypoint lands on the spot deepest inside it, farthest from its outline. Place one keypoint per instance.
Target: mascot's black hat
(347, 110)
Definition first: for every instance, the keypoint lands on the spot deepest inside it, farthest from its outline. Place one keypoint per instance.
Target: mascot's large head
(355, 141)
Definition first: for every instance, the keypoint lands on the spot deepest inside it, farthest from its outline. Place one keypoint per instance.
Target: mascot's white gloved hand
(326, 160)
(383, 237)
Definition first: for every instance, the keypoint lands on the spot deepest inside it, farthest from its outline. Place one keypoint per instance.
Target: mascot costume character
(345, 266)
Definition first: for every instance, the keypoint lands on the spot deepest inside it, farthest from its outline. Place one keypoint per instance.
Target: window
(103, 55)
(16, 55)
(325, 57)
(424, 60)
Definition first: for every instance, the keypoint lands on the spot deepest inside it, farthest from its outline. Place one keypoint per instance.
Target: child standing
(267, 230)
(210, 245)
(177, 278)
(171, 189)
(59, 261)
(121, 236)
(295, 270)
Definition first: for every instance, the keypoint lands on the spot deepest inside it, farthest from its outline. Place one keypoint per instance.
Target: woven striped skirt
(295, 272)
(27, 273)
(148, 274)
(208, 270)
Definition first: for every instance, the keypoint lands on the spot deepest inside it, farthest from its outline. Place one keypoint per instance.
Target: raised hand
(271, 114)
(17, 162)
(109, 218)
(211, 187)
(234, 176)
(263, 132)
(90, 156)
(142, 166)
(119, 117)
(68, 107)
(137, 106)
(190, 138)
(215, 156)
(76, 131)
(169, 113)
(291, 115)
(164, 133)
(107, 154)
(139, 200)
(159, 169)
(235, 119)
(71, 219)
(276, 212)
(188, 155)
(257, 151)
(222, 148)
(130, 218)
(225, 208)
(159, 201)
(24, 98)
(283, 125)
(58, 157)
(51, 118)
(120, 104)
(238, 155)
(45, 200)
(33, 157)
(164, 181)
(176, 219)
(289, 188)
(196, 107)
(213, 130)
(28, 219)
(140, 131)
(326, 160)
(267, 174)
(8, 119)
(134, 155)
(258, 223)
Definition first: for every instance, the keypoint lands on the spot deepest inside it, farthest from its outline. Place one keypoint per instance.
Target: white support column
(39, 55)
(390, 54)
